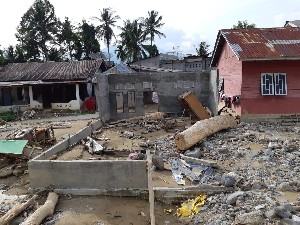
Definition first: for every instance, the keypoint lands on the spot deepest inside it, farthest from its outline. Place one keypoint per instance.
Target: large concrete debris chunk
(190, 101)
(202, 129)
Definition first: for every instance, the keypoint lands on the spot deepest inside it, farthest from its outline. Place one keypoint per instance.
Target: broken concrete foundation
(86, 176)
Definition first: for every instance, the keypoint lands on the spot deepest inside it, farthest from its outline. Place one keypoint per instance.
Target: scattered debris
(191, 207)
(93, 146)
(16, 210)
(29, 114)
(41, 135)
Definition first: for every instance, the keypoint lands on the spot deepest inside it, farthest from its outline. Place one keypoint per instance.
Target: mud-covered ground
(260, 161)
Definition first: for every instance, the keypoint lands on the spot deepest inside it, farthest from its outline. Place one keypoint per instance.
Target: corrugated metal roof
(49, 71)
(260, 43)
(295, 23)
(121, 68)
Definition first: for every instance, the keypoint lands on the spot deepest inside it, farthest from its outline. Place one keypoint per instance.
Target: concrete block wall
(102, 97)
(168, 85)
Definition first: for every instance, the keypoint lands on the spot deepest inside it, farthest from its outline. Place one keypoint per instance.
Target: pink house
(262, 68)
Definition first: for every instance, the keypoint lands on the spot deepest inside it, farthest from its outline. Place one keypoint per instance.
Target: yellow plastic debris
(168, 211)
(191, 206)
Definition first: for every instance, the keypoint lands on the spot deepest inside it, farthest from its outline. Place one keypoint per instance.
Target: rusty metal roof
(259, 43)
(50, 71)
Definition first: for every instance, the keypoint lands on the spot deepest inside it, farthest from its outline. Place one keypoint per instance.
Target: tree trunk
(202, 129)
(16, 210)
(45, 210)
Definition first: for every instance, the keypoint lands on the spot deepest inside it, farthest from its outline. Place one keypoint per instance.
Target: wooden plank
(191, 100)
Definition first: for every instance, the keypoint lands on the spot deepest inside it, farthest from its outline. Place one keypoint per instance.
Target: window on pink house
(273, 84)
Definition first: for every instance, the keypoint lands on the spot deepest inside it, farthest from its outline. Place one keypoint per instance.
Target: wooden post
(150, 187)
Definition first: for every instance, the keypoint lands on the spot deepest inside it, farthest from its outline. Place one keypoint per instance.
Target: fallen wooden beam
(45, 210)
(204, 162)
(16, 210)
(203, 129)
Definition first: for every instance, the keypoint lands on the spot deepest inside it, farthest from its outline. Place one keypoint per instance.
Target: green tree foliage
(243, 25)
(152, 23)
(132, 47)
(67, 38)
(88, 39)
(37, 29)
(12, 55)
(203, 50)
(107, 21)
(2, 59)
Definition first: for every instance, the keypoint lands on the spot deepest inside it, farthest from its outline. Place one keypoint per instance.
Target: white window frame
(277, 83)
(273, 84)
(264, 83)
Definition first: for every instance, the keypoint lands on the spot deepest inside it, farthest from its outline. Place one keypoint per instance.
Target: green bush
(8, 116)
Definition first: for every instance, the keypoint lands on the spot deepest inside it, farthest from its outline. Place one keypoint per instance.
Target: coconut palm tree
(131, 47)
(152, 23)
(107, 21)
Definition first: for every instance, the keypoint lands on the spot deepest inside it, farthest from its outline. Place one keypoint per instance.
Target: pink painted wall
(231, 70)
(253, 102)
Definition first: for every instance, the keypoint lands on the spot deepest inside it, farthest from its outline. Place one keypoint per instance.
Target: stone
(206, 144)
(158, 162)
(128, 134)
(231, 199)
(287, 221)
(223, 149)
(281, 212)
(271, 214)
(288, 207)
(229, 179)
(195, 153)
(257, 184)
(285, 186)
(251, 218)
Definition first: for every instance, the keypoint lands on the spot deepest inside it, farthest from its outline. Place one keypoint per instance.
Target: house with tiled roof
(47, 85)
(260, 68)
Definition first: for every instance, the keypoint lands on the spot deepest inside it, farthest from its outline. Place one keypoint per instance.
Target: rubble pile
(28, 114)
(261, 161)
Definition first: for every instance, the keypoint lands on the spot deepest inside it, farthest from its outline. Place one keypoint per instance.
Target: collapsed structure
(119, 97)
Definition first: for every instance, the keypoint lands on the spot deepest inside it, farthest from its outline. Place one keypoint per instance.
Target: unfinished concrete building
(119, 97)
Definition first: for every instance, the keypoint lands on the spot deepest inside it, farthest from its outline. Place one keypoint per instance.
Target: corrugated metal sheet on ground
(12, 146)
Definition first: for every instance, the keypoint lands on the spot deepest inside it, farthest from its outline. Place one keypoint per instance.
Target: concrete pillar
(31, 97)
(77, 92)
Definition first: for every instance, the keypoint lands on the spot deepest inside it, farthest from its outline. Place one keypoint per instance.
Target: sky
(187, 23)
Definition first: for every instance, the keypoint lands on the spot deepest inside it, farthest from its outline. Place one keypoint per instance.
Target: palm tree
(152, 23)
(132, 47)
(105, 29)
